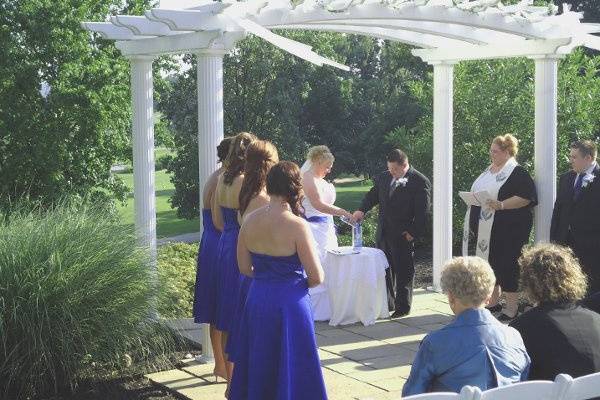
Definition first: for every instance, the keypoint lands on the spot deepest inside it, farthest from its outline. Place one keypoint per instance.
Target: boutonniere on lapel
(587, 179)
(402, 181)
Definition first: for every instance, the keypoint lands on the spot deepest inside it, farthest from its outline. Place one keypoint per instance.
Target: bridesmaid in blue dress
(225, 217)
(205, 302)
(261, 155)
(277, 355)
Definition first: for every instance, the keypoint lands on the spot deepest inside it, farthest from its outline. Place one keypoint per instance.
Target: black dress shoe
(399, 314)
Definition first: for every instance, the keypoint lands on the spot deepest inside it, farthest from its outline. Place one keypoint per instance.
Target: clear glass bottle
(357, 240)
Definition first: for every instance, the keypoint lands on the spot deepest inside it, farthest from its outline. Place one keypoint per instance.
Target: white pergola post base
(443, 91)
(546, 82)
(210, 134)
(142, 94)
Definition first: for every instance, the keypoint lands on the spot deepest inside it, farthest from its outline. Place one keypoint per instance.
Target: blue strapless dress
(277, 351)
(234, 329)
(229, 277)
(205, 292)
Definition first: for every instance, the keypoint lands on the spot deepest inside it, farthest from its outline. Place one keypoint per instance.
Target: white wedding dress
(323, 230)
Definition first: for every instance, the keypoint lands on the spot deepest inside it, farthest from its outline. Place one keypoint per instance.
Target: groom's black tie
(577, 189)
(393, 186)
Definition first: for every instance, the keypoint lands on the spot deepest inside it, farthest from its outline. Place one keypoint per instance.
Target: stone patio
(358, 362)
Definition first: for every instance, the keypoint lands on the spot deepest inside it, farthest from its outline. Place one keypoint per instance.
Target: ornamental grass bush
(75, 299)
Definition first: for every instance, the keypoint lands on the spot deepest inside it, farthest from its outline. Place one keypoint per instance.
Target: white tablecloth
(354, 288)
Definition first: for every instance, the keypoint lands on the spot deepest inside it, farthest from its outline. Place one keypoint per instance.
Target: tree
(64, 143)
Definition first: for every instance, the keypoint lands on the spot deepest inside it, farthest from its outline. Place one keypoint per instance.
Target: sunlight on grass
(349, 196)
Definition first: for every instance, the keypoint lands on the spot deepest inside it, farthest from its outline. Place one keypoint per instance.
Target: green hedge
(177, 276)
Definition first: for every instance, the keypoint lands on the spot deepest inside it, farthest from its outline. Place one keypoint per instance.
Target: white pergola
(444, 31)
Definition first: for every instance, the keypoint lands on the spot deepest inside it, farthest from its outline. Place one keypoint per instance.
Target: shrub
(176, 276)
(75, 294)
(162, 162)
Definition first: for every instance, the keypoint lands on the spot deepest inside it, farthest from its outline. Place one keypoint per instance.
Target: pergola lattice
(445, 32)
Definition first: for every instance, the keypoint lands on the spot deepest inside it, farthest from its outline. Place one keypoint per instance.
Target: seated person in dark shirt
(592, 302)
(560, 335)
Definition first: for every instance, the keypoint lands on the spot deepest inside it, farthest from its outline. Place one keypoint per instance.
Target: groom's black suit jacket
(406, 209)
(581, 217)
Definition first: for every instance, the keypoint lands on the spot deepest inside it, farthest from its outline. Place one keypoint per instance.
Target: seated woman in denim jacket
(475, 349)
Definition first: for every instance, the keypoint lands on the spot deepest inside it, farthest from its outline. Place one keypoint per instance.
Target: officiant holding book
(498, 230)
(403, 195)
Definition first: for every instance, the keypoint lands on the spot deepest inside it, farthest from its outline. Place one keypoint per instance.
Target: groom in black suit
(576, 216)
(404, 197)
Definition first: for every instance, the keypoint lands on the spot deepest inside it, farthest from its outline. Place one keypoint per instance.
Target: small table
(355, 286)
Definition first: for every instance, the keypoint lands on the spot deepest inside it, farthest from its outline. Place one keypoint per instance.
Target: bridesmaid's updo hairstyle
(319, 155)
(507, 143)
(234, 164)
(261, 155)
(223, 149)
(284, 180)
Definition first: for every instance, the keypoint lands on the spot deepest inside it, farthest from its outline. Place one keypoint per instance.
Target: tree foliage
(62, 144)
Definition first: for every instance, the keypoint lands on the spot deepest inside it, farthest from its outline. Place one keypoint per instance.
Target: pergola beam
(526, 48)
(142, 26)
(414, 39)
(176, 44)
(461, 33)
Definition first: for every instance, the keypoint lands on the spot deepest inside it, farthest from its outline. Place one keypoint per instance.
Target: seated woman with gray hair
(475, 348)
(560, 335)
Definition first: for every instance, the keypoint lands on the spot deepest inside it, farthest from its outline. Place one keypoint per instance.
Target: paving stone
(391, 384)
(323, 326)
(393, 332)
(342, 387)
(204, 371)
(405, 357)
(344, 366)
(372, 349)
(188, 386)
(336, 332)
(425, 317)
(347, 340)
(432, 327)
(373, 376)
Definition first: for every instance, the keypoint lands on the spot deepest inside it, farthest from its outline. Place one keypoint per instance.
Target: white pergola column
(210, 111)
(443, 91)
(210, 134)
(546, 82)
(142, 95)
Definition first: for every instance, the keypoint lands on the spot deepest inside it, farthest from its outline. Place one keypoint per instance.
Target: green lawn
(349, 197)
(168, 224)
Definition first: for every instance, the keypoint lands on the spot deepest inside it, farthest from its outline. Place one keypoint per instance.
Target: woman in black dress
(498, 230)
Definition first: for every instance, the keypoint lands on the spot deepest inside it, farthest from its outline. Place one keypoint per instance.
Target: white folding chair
(531, 390)
(433, 396)
(584, 387)
(467, 393)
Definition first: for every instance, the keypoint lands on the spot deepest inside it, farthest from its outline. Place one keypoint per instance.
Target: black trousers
(587, 251)
(400, 275)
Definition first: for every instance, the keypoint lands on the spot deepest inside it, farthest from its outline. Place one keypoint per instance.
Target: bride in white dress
(319, 210)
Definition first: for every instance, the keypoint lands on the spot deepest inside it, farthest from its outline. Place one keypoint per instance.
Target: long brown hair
(284, 180)
(234, 164)
(261, 155)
